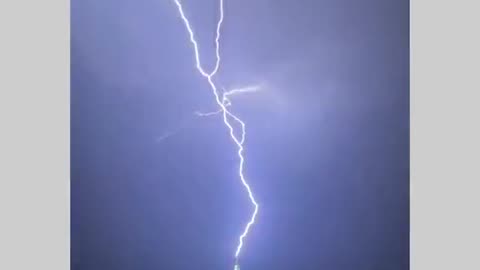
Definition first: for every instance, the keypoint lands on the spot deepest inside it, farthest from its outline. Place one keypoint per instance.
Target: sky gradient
(327, 148)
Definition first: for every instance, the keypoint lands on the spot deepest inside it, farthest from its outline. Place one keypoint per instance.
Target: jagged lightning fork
(227, 115)
(226, 100)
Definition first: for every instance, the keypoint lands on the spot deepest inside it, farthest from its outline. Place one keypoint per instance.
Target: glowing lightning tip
(237, 266)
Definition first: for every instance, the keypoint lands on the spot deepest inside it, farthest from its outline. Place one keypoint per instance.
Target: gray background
(34, 144)
(34, 200)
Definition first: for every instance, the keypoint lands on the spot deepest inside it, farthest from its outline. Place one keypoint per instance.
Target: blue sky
(327, 149)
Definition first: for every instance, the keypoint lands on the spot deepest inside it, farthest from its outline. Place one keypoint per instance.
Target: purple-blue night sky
(154, 186)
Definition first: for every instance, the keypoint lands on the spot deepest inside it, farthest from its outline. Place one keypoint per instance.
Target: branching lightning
(224, 102)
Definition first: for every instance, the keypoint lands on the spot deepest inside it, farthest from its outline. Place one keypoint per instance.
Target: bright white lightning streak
(237, 91)
(227, 115)
(226, 100)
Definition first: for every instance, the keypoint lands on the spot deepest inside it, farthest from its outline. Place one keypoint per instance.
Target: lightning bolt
(226, 100)
(228, 117)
